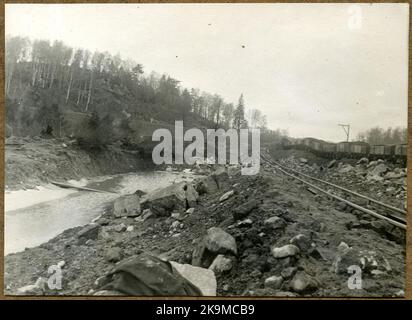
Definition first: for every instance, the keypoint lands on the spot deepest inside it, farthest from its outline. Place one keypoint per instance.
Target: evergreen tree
(239, 121)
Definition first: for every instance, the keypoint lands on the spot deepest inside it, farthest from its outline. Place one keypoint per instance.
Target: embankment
(36, 161)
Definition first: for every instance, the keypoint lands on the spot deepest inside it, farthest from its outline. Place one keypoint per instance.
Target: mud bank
(34, 161)
(262, 235)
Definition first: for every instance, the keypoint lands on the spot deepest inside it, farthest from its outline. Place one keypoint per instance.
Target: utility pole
(346, 128)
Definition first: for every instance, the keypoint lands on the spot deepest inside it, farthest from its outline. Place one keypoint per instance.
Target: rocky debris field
(230, 235)
(377, 179)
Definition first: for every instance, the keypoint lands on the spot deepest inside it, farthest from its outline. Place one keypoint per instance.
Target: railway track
(391, 214)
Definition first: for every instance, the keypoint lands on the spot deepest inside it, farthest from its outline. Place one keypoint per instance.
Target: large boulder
(37, 289)
(207, 185)
(127, 206)
(217, 241)
(90, 231)
(202, 278)
(165, 200)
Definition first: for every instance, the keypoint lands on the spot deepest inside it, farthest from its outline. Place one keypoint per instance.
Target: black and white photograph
(198, 149)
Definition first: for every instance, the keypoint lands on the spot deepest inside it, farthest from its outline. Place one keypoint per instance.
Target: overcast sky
(308, 67)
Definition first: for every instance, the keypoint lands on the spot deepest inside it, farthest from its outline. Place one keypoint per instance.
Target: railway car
(401, 150)
(343, 147)
(353, 149)
(377, 150)
(359, 148)
(329, 147)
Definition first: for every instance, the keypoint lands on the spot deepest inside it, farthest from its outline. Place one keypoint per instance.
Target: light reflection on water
(32, 225)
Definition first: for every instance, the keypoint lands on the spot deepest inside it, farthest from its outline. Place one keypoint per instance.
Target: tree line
(379, 135)
(44, 79)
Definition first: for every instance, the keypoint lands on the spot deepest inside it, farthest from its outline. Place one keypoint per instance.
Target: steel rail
(353, 205)
(343, 189)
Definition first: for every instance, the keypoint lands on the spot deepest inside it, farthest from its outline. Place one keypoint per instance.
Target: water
(35, 216)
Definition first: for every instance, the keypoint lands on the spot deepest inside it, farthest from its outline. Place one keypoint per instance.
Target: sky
(308, 67)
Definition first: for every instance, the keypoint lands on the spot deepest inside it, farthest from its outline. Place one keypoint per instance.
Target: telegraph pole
(346, 128)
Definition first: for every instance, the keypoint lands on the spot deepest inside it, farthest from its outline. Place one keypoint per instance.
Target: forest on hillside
(45, 81)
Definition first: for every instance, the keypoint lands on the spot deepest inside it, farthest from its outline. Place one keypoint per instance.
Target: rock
(127, 206)
(38, 288)
(202, 278)
(379, 170)
(317, 253)
(373, 178)
(226, 196)
(284, 294)
(302, 242)
(176, 215)
(288, 250)
(89, 242)
(147, 214)
(400, 293)
(345, 258)
(221, 264)
(303, 283)
(245, 223)
(393, 175)
(175, 225)
(303, 160)
(222, 178)
(215, 242)
(91, 231)
(191, 195)
(61, 264)
(163, 201)
(275, 223)
(139, 193)
(190, 210)
(114, 254)
(129, 228)
(274, 282)
(288, 273)
(346, 168)
(103, 221)
(244, 209)
(331, 164)
(363, 161)
(219, 241)
(372, 164)
(108, 293)
(343, 248)
(207, 185)
(120, 227)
